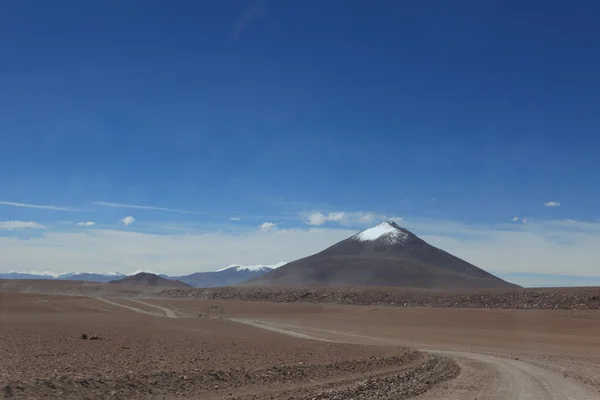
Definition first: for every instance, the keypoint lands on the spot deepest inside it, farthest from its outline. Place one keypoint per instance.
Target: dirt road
(511, 379)
(166, 312)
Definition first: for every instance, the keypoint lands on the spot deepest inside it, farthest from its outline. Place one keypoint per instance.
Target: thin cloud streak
(552, 204)
(55, 208)
(248, 17)
(346, 218)
(120, 205)
(86, 223)
(13, 225)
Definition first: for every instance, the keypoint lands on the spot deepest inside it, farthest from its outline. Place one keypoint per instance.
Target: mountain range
(228, 276)
(384, 255)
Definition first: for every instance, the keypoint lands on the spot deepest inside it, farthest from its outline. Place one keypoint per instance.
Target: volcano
(384, 255)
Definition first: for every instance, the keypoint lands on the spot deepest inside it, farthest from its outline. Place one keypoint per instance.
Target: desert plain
(150, 344)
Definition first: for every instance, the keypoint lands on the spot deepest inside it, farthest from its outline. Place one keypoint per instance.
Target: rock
(84, 336)
(8, 391)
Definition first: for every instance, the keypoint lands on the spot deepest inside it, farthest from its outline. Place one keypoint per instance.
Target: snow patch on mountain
(92, 273)
(139, 271)
(51, 274)
(258, 268)
(387, 231)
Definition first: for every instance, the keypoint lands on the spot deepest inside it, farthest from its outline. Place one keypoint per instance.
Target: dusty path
(168, 312)
(500, 379)
(165, 311)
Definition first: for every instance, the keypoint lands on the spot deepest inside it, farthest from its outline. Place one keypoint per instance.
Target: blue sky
(275, 111)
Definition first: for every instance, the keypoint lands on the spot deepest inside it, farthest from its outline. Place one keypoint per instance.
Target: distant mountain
(229, 276)
(24, 275)
(146, 279)
(384, 255)
(92, 277)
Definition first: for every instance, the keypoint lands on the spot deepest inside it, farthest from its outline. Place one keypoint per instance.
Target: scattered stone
(527, 299)
(7, 391)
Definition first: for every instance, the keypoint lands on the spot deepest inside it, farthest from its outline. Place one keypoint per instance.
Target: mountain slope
(228, 276)
(232, 275)
(384, 255)
(24, 275)
(146, 279)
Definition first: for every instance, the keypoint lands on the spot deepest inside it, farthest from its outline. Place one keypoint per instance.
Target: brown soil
(162, 348)
(149, 356)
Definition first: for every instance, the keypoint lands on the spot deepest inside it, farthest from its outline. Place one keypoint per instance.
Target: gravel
(140, 356)
(587, 298)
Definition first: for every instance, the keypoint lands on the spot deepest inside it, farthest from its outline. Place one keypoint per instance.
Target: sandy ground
(504, 354)
(155, 350)
(162, 348)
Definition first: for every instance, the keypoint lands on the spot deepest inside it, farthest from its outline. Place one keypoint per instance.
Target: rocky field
(297, 344)
(520, 299)
(67, 347)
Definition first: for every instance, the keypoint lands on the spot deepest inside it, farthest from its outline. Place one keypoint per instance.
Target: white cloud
(368, 217)
(55, 208)
(346, 218)
(127, 220)
(169, 254)
(515, 219)
(335, 216)
(550, 247)
(86, 223)
(235, 219)
(552, 204)
(267, 226)
(316, 219)
(394, 219)
(12, 225)
(120, 205)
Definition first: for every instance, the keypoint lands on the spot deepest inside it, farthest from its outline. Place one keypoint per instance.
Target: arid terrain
(150, 346)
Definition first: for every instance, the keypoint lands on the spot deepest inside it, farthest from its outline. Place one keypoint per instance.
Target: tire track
(516, 379)
(165, 311)
(168, 312)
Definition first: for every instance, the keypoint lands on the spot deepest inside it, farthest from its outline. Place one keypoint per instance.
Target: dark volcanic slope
(385, 255)
(145, 279)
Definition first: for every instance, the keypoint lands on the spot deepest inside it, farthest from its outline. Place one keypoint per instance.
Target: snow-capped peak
(387, 231)
(253, 267)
